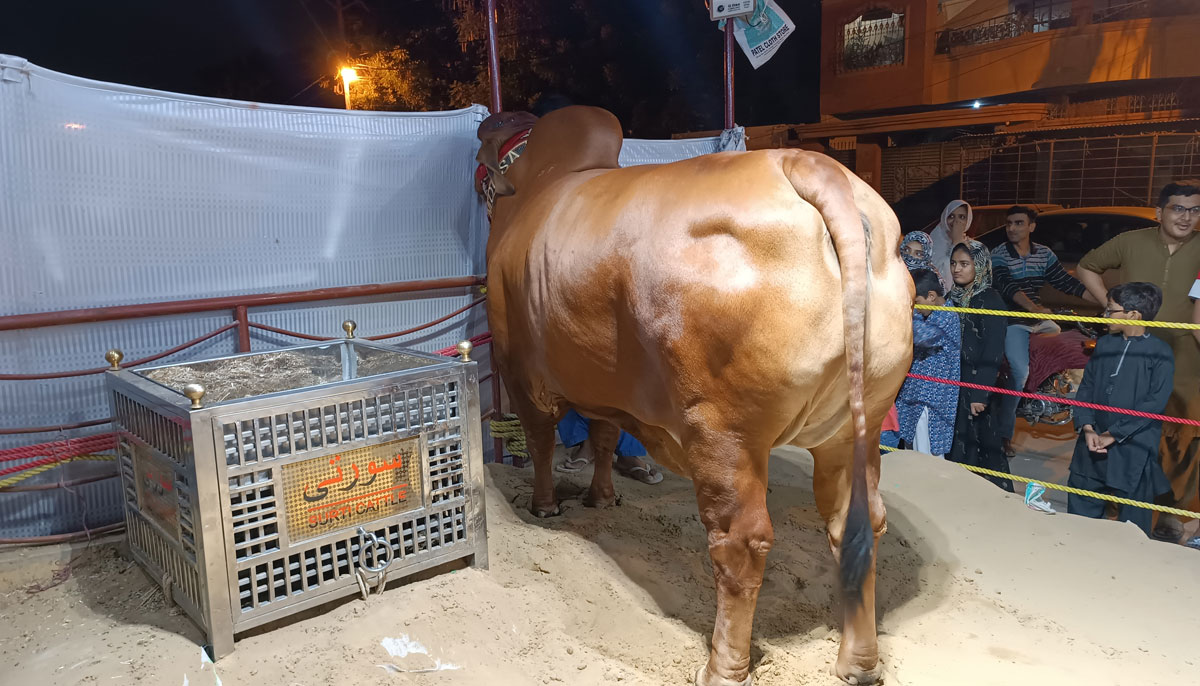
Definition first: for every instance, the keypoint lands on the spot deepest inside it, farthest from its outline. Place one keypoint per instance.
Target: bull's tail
(820, 181)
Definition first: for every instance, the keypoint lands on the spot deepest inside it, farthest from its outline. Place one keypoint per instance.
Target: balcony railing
(1043, 17)
(871, 43)
(1143, 9)
(1125, 104)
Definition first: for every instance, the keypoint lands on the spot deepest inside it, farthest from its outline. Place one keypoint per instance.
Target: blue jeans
(890, 438)
(1016, 350)
(573, 430)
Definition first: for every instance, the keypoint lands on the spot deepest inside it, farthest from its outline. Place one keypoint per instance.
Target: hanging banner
(766, 30)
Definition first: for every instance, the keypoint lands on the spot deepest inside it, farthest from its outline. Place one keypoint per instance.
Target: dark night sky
(187, 46)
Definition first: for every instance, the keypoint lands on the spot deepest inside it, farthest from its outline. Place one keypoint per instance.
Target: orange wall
(1094, 53)
(1091, 53)
(866, 89)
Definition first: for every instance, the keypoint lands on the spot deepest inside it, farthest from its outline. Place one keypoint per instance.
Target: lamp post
(349, 76)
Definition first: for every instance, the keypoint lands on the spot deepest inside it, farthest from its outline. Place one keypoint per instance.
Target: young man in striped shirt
(1020, 268)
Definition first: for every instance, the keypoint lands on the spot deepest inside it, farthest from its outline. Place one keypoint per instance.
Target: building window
(873, 39)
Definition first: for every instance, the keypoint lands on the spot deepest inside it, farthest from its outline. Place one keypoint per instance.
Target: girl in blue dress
(926, 409)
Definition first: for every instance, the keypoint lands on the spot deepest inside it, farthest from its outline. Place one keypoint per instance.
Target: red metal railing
(239, 306)
(237, 303)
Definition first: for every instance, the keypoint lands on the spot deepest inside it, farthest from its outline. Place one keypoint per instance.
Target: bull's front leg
(538, 427)
(731, 492)
(858, 657)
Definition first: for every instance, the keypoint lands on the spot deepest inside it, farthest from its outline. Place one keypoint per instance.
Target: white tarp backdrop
(114, 195)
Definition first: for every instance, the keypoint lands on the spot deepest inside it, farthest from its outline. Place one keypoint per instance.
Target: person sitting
(1020, 268)
(573, 430)
(1117, 454)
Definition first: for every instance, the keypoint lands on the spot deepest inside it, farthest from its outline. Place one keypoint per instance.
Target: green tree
(391, 80)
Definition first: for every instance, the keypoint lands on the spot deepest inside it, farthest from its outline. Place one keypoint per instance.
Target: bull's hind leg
(858, 657)
(603, 437)
(731, 491)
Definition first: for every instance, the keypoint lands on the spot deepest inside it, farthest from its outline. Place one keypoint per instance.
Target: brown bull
(715, 308)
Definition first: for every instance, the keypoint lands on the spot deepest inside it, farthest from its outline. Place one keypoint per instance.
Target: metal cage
(256, 501)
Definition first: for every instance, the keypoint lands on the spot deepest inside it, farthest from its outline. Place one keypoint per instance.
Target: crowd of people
(1149, 369)
(1154, 370)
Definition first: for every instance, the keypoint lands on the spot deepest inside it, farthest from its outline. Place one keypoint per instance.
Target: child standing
(976, 436)
(925, 408)
(1118, 453)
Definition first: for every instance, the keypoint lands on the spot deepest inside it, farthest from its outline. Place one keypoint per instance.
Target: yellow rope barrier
(1059, 317)
(34, 471)
(1077, 491)
(509, 428)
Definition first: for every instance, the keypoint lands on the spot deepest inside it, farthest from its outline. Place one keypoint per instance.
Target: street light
(349, 76)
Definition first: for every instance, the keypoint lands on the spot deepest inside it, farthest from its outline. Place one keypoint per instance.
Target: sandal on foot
(645, 474)
(574, 461)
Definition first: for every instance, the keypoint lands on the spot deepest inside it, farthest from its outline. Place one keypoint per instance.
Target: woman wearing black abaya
(976, 439)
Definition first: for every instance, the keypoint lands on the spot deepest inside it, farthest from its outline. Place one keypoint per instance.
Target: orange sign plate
(337, 491)
(156, 494)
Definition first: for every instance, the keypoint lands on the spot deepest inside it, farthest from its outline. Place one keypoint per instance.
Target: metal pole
(494, 71)
(242, 315)
(729, 73)
(493, 55)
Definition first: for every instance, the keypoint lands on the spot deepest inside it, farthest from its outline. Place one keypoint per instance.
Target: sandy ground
(974, 589)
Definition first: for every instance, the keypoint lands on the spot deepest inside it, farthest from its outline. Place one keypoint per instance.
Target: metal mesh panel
(254, 513)
(446, 475)
(185, 491)
(154, 429)
(146, 539)
(911, 170)
(264, 584)
(1078, 172)
(128, 479)
(295, 432)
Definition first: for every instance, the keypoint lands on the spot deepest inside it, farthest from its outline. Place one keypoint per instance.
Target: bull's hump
(576, 139)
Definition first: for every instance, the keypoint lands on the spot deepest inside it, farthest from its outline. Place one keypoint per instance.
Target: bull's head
(493, 133)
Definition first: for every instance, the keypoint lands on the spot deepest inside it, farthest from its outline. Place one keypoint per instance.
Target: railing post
(493, 49)
(242, 316)
(729, 74)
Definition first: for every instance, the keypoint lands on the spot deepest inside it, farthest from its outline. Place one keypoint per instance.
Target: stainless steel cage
(263, 484)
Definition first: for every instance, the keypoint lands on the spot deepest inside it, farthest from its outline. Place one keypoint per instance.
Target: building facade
(1068, 102)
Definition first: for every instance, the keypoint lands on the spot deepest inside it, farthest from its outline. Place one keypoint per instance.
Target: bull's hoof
(857, 675)
(703, 678)
(542, 512)
(600, 501)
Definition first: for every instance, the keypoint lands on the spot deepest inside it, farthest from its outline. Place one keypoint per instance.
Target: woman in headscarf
(976, 436)
(915, 249)
(950, 231)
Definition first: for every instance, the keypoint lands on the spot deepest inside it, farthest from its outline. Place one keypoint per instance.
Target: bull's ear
(489, 157)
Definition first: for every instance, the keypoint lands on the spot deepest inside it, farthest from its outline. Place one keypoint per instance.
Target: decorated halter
(509, 153)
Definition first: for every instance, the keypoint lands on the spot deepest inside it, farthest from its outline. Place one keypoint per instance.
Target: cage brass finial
(464, 351)
(195, 393)
(349, 327)
(114, 357)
